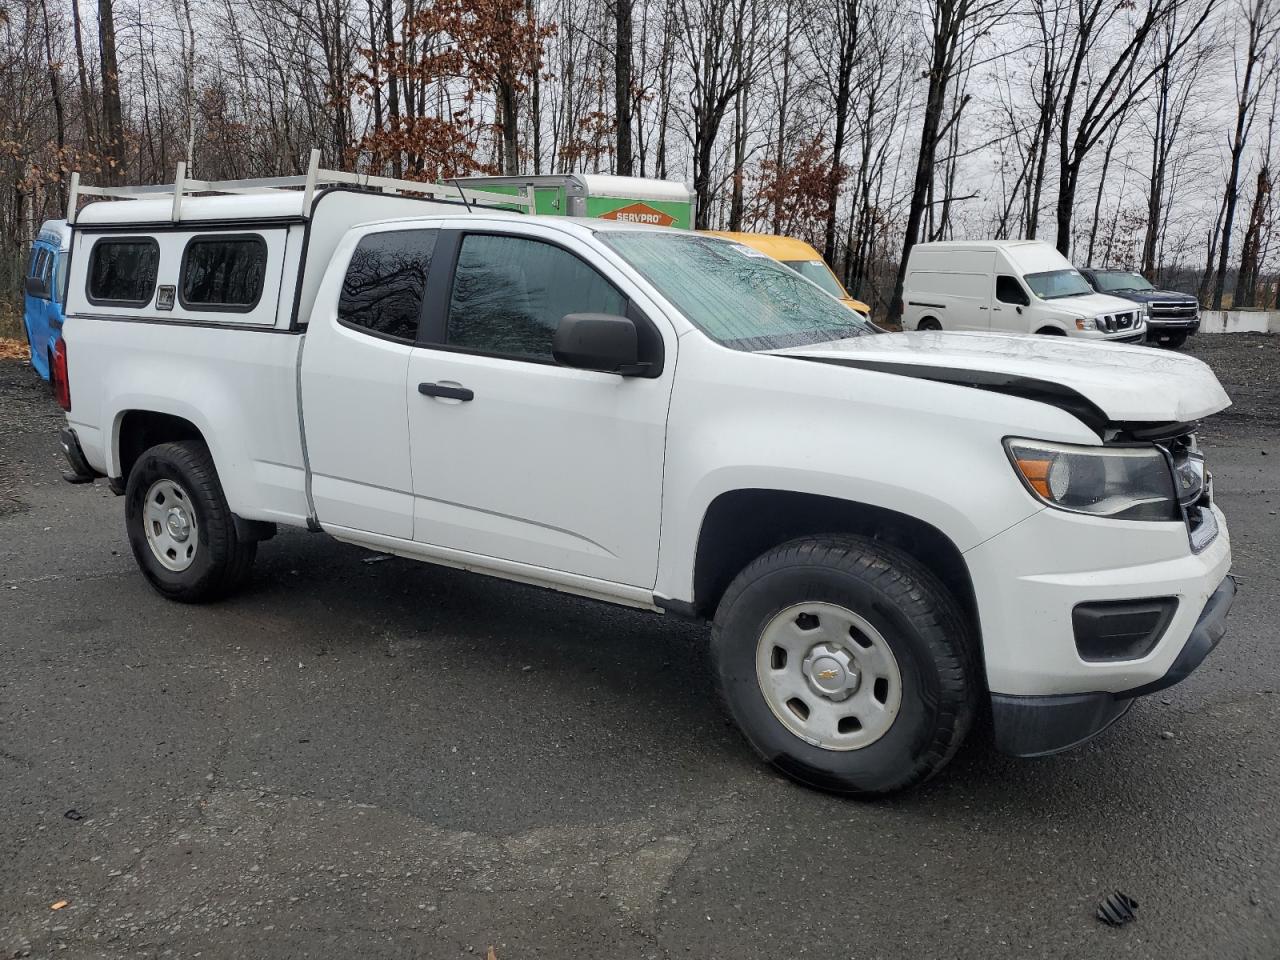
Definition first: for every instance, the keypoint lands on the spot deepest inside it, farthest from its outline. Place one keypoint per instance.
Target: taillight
(58, 376)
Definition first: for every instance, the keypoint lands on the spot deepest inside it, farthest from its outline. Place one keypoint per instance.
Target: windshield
(735, 295)
(819, 273)
(1055, 284)
(1109, 281)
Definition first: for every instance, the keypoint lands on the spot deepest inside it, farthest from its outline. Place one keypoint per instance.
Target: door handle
(445, 391)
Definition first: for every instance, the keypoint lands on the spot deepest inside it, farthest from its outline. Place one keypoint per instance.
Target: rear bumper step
(78, 470)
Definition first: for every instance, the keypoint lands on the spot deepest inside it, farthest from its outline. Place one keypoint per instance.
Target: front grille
(1183, 310)
(1111, 322)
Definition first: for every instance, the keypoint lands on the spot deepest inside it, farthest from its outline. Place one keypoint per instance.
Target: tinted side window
(123, 272)
(223, 273)
(1009, 290)
(509, 294)
(60, 279)
(382, 291)
(38, 256)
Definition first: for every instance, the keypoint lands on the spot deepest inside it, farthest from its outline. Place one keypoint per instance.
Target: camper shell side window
(122, 271)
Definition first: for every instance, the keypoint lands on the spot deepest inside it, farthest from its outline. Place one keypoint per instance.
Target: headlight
(1089, 324)
(1123, 483)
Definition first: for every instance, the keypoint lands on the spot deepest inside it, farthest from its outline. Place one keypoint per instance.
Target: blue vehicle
(46, 292)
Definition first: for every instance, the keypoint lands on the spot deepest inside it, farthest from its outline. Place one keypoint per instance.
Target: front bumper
(1037, 726)
(1156, 329)
(1029, 580)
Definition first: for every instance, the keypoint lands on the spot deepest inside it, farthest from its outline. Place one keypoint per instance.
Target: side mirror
(598, 341)
(38, 287)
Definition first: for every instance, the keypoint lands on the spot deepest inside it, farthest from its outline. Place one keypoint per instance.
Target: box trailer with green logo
(662, 203)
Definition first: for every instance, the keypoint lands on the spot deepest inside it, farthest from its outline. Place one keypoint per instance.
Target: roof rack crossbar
(315, 177)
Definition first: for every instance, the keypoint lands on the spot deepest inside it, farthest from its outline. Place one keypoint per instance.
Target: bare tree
(622, 84)
(953, 25)
(111, 112)
(713, 54)
(1175, 86)
(1093, 103)
(1254, 67)
(834, 31)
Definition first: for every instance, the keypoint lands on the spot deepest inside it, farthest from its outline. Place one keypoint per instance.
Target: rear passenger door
(359, 342)
(541, 464)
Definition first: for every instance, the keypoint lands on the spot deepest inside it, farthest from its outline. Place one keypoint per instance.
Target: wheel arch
(740, 525)
(137, 430)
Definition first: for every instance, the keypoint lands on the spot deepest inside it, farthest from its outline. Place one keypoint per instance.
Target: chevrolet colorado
(885, 530)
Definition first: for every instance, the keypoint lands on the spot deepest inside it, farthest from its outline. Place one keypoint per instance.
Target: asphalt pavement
(368, 757)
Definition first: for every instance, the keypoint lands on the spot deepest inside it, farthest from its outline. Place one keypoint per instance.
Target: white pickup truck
(886, 530)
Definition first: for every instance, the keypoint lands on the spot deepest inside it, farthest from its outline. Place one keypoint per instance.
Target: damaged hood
(1124, 383)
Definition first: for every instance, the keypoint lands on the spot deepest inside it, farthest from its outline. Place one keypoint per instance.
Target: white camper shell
(1013, 286)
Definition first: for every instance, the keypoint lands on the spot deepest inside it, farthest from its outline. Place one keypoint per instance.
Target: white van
(1017, 286)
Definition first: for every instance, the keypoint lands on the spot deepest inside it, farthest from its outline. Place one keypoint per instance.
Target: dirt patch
(10, 323)
(14, 350)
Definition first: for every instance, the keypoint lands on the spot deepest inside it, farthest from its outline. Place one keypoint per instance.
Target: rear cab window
(385, 282)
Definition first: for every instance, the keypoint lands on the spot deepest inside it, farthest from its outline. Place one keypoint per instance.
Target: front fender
(930, 451)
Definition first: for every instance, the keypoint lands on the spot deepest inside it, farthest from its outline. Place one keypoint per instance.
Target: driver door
(1007, 308)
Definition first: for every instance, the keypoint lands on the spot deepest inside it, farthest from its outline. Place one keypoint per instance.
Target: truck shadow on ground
(552, 668)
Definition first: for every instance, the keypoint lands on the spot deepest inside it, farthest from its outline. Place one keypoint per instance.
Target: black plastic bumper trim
(1205, 635)
(1040, 726)
(80, 471)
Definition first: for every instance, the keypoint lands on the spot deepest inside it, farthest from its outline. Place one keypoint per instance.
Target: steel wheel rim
(169, 522)
(828, 676)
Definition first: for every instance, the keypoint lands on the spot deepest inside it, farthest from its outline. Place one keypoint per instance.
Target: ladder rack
(316, 176)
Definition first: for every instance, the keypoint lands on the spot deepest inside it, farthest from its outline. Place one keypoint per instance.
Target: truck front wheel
(847, 664)
(180, 527)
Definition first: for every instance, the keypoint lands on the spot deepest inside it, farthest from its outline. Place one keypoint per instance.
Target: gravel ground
(370, 757)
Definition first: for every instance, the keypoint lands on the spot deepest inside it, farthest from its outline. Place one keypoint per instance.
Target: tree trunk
(86, 101)
(622, 84)
(535, 99)
(510, 121)
(932, 121)
(111, 114)
(55, 91)
(1097, 200)
(737, 200)
(1246, 293)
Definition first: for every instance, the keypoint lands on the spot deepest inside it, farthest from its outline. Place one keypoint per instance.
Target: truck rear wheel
(847, 664)
(180, 527)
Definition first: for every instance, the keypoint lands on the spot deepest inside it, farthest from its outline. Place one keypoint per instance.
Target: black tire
(915, 615)
(1173, 341)
(1051, 332)
(929, 323)
(220, 561)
